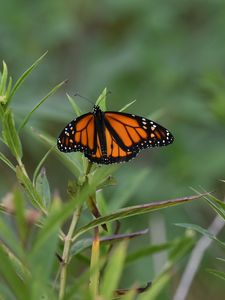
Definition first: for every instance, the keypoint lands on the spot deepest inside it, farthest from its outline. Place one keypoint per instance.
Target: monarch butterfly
(111, 137)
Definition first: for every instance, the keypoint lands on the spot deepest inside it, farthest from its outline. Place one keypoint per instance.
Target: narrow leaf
(42, 254)
(3, 83)
(157, 286)
(38, 168)
(74, 105)
(71, 161)
(135, 210)
(42, 187)
(147, 251)
(30, 190)
(113, 271)
(101, 101)
(127, 105)
(27, 117)
(9, 239)
(8, 91)
(24, 76)
(7, 271)
(83, 244)
(7, 162)
(94, 267)
(10, 135)
(218, 274)
(18, 202)
(202, 231)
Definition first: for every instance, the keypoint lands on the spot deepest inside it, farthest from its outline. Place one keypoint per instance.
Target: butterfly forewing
(135, 133)
(79, 135)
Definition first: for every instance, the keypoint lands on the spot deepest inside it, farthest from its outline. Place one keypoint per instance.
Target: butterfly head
(96, 109)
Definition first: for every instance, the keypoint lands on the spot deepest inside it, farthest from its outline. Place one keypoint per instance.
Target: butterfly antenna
(83, 97)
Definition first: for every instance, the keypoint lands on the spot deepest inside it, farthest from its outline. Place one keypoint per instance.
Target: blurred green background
(170, 57)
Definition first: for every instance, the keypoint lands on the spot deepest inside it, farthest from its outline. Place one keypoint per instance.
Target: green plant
(37, 253)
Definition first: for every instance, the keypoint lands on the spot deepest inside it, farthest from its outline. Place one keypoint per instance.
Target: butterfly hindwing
(113, 153)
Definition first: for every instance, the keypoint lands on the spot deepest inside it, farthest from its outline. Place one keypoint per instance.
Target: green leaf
(101, 101)
(202, 231)
(5, 292)
(127, 105)
(113, 271)
(42, 254)
(135, 210)
(74, 105)
(21, 223)
(7, 271)
(147, 251)
(157, 286)
(8, 91)
(83, 244)
(95, 265)
(38, 168)
(1, 111)
(10, 135)
(9, 239)
(27, 117)
(217, 205)
(181, 246)
(24, 76)
(3, 82)
(33, 195)
(72, 161)
(42, 187)
(217, 273)
(7, 162)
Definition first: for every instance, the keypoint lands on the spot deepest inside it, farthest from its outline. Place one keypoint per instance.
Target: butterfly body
(111, 137)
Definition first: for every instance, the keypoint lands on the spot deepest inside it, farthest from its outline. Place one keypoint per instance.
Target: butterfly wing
(133, 133)
(113, 153)
(79, 135)
(122, 136)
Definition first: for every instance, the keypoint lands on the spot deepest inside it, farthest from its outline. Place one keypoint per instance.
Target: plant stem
(66, 250)
(68, 240)
(94, 268)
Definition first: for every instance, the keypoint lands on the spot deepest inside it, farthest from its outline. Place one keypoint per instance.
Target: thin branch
(65, 256)
(196, 258)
